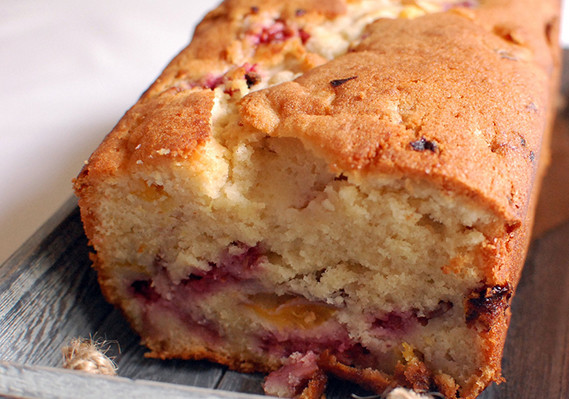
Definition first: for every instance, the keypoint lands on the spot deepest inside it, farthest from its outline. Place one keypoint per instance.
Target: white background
(68, 71)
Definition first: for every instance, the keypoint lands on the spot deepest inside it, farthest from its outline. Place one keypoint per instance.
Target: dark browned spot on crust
(486, 303)
(341, 177)
(532, 156)
(300, 12)
(339, 82)
(252, 79)
(423, 145)
(254, 10)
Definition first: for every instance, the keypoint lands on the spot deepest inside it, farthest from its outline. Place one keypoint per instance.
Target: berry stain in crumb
(304, 36)
(278, 32)
(144, 289)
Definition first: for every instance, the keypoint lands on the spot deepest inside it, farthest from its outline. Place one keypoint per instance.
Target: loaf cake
(331, 187)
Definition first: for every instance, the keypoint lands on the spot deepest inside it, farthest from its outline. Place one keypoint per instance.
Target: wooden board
(49, 295)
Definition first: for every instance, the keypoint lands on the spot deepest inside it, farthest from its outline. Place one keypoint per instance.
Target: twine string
(88, 355)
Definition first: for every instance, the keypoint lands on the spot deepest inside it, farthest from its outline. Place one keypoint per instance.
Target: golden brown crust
(473, 83)
(440, 77)
(413, 374)
(371, 379)
(176, 122)
(316, 386)
(220, 43)
(170, 125)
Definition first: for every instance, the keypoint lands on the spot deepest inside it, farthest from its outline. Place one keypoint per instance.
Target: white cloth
(68, 71)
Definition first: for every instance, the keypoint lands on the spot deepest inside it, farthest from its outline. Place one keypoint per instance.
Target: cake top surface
(447, 91)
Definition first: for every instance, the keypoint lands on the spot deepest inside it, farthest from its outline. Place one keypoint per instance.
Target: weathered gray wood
(46, 383)
(238, 382)
(27, 264)
(40, 289)
(536, 363)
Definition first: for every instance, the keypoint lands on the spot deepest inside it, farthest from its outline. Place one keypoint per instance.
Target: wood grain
(40, 382)
(49, 295)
